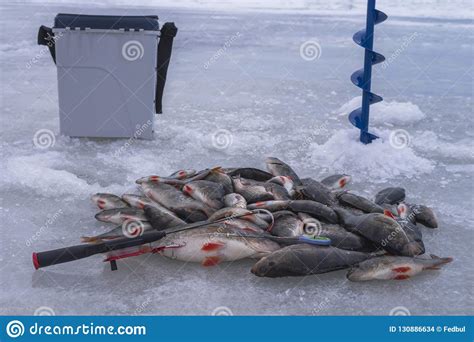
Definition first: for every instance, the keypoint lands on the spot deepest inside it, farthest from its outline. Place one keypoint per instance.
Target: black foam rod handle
(61, 255)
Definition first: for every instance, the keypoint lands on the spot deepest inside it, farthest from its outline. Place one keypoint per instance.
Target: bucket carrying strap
(46, 37)
(168, 32)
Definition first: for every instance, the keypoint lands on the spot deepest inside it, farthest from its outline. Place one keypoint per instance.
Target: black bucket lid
(107, 22)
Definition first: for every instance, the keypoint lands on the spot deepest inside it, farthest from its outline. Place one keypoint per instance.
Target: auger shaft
(369, 43)
(362, 78)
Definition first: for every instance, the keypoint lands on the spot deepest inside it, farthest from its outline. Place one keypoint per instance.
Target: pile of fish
(250, 213)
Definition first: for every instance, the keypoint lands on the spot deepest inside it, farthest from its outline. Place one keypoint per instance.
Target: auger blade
(374, 98)
(359, 38)
(355, 118)
(380, 17)
(377, 58)
(357, 77)
(367, 137)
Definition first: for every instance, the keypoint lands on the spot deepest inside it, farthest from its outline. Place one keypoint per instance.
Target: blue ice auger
(361, 78)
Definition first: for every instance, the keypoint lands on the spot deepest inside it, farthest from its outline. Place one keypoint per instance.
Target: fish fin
(432, 268)
(89, 239)
(388, 213)
(378, 253)
(402, 277)
(300, 188)
(101, 204)
(248, 217)
(207, 210)
(217, 169)
(212, 246)
(97, 239)
(211, 261)
(180, 174)
(401, 269)
(343, 181)
(216, 204)
(187, 190)
(402, 210)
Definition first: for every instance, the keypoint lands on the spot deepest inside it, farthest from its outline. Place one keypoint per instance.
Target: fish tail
(217, 169)
(437, 261)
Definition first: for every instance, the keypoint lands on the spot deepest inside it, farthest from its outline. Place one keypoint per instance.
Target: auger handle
(72, 253)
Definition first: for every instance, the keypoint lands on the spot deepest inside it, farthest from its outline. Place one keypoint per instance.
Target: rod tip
(35, 261)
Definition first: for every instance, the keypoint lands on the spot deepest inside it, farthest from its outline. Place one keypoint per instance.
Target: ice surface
(45, 175)
(415, 8)
(460, 150)
(258, 98)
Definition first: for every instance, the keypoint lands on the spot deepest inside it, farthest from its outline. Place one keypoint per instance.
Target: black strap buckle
(46, 37)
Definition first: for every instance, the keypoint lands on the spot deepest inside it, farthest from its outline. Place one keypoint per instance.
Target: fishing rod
(77, 252)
